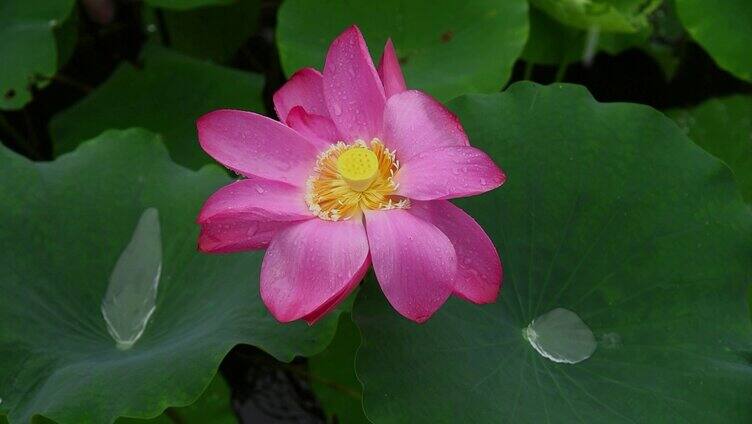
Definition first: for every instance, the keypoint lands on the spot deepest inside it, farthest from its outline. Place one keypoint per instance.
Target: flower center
(358, 166)
(349, 178)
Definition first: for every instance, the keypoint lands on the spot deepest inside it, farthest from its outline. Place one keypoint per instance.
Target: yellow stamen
(350, 178)
(358, 166)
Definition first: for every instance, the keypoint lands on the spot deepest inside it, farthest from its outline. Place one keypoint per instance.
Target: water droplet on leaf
(561, 336)
(131, 295)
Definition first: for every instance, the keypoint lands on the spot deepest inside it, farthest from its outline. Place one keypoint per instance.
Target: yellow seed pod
(358, 166)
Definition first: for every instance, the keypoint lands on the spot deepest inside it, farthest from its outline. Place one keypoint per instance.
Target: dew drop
(337, 109)
(259, 189)
(131, 295)
(561, 336)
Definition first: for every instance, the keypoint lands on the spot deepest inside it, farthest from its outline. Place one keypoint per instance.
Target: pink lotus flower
(357, 170)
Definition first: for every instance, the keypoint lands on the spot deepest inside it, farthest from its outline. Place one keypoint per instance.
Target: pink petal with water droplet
(334, 301)
(414, 262)
(238, 235)
(256, 199)
(448, 173)
(254, 145)
(390, 71)
(352, 88)
(311, 265)
(479, 270)
(414, 122)
(319, 130)
(306, 89)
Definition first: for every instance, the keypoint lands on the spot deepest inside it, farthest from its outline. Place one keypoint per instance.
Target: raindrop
(561, 336)
(337, 109)
(259, 189)
(131, 295)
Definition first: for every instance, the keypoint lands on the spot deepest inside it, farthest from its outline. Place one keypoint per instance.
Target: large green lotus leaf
(67, 223)
(724, 29)
(611, 213)
(723, 127)
(446, 47)
(166, 96)
(333, 378)
(213, 33)
(213, 407)
(607, 15)
(27, 46)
